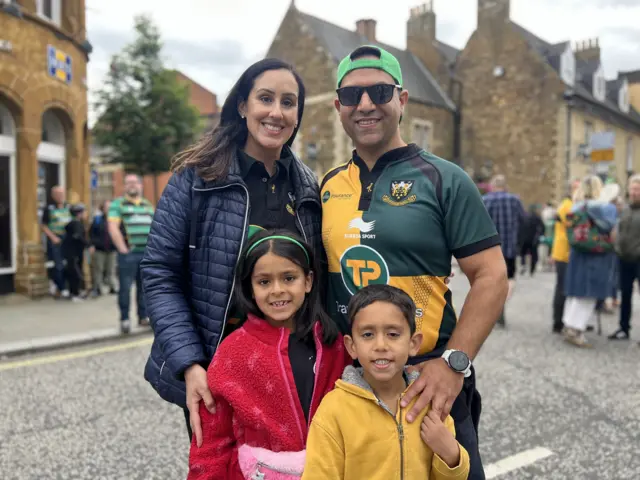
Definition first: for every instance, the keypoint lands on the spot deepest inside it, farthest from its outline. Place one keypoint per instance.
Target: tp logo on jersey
(360, 266)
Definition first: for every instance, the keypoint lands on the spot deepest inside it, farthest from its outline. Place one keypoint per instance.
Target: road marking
(70, 356)
(516, 461)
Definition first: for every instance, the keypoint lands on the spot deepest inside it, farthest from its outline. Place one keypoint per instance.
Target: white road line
(73, 355)
(516, 461)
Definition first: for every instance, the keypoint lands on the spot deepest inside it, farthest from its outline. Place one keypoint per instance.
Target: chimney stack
(493, 13)
(588, 50)
(422, 22)
(367, 28)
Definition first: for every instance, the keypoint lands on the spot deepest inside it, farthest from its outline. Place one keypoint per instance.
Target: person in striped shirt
(130, 219)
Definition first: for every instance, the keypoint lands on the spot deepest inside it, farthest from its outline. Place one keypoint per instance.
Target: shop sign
(59, 64)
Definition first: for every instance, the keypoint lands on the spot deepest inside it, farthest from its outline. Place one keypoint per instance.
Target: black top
(302, 357)
(75, 239)
(270, 197)
(368, 178)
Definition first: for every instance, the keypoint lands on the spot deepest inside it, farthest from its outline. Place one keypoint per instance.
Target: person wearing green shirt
(129, 220)
(396, 214)
(55, 218)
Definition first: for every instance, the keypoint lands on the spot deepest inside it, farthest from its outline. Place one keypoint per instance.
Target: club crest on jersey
(399, 193)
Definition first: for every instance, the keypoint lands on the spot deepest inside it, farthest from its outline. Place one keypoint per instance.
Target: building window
(629, 154)
(588, 130)
(50, 10)
(599, 85)
(568, 66)
(421, 134)
(623, 97)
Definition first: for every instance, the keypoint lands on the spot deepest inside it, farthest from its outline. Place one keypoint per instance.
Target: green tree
(144, 114)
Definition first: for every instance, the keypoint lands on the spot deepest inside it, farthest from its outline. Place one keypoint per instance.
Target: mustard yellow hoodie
(354, 436)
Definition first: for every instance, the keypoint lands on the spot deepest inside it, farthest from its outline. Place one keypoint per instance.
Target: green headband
(280, 237)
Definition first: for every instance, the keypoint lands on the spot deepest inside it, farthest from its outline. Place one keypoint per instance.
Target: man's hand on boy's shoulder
(437, 385)
(440, 439)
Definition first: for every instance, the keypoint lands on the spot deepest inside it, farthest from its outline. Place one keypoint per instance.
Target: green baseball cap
(385, 62)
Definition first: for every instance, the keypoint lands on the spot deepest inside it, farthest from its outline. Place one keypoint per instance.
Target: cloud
(608, 3)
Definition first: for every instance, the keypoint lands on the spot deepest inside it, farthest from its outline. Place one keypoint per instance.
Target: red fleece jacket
(256, 399)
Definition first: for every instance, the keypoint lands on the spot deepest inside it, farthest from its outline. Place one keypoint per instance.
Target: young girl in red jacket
(268, 377)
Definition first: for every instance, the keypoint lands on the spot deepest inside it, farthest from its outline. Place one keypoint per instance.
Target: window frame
(424, 124)
(56, 11)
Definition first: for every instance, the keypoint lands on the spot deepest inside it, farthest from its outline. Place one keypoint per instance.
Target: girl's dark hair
(214, 153)
(311, 310)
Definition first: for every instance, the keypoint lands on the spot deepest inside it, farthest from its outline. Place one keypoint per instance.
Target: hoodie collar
(354, 382)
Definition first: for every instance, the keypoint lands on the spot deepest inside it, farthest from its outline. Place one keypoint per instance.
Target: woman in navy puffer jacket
(239, 177)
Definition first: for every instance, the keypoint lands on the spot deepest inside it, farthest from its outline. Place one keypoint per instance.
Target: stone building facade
(315, 47)
(529, 108)
(43, 127)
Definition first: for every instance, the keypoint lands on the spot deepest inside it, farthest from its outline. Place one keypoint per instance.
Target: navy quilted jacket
(188, 268)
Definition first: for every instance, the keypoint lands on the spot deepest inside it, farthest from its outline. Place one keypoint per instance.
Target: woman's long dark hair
(311, 310)
(214, 153)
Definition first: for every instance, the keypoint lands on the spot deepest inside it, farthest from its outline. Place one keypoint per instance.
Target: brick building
(110, 177)
(43, 127)
(205, 101)
(315, 47)
(529, 107)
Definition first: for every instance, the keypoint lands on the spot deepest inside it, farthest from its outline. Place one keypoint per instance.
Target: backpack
(585, 236)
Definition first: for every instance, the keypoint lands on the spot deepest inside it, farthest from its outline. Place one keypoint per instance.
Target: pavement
(550, 410)
(29, 326)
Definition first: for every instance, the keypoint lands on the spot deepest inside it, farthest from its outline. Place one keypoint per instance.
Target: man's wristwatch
(458, 361)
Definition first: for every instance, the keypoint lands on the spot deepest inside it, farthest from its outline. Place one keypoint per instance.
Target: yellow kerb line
(70, 356)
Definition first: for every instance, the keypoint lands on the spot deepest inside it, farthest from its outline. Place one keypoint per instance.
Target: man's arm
(487, 274)
(44, 223)
(116, 236)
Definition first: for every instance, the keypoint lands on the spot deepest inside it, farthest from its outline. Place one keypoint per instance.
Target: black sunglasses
(379, 94)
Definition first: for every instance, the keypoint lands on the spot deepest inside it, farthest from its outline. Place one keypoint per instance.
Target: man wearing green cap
(396, 214)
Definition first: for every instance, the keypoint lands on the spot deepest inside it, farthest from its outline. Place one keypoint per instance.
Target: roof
(449, 52)
(632, 76)
(420, 83)
(583, 88)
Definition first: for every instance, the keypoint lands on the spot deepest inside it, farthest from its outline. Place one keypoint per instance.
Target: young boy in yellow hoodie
(360, 430)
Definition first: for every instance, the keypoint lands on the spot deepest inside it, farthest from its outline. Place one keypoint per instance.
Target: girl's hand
(439, 439)
(195, 378)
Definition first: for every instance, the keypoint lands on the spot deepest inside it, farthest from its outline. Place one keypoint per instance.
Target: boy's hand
(439, 439)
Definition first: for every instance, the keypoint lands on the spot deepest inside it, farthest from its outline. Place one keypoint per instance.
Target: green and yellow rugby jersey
(400, 224)
(135, 216)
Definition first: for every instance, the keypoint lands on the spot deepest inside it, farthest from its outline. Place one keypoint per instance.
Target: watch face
(458, 361)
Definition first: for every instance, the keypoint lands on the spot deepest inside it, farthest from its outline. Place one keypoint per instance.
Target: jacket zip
(244, 230)
(315, 376)
(400, 434)
(292, 197)
(292, 402)
(285, 471)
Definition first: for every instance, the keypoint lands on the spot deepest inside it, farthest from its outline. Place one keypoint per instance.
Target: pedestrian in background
(130, 218)
(73, 246)
(55, 218)
(548, 219)
(507, 213)
(628, 249)
(560, 255)
(531, 231)
(103, 260)
(588, 273)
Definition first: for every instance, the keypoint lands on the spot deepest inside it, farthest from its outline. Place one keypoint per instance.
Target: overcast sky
(213, 41)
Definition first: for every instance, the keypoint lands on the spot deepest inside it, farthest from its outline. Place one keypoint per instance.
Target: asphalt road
(550, 411)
